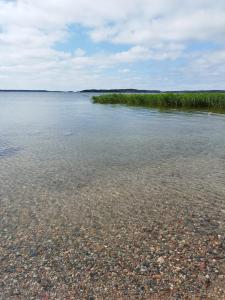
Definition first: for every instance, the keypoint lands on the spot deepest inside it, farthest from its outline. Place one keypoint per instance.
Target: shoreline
(105, 241)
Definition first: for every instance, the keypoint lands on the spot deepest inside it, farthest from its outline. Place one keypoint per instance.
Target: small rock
(143, 269)
(160, 260)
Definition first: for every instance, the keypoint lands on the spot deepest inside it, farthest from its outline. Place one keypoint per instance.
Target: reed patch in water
(167, 100)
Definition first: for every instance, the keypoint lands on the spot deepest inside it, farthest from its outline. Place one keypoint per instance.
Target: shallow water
(64, 138)
(79, 180)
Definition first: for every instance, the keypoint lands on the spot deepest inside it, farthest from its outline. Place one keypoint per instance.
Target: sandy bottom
(155, 232)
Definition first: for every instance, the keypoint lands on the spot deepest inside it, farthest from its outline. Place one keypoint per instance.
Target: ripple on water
(9, 151)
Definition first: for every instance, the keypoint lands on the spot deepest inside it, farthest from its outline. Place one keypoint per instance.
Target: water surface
(62, 141)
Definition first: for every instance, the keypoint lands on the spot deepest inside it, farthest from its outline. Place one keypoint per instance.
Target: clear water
(88, 187)
(58, 142)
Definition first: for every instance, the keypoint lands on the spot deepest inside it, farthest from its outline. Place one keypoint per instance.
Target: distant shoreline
(137, 91)
(34, 91)
(130, 91)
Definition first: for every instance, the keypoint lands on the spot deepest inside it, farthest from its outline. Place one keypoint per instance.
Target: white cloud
(153, 30)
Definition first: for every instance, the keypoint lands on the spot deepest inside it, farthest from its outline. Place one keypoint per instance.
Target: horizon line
(109, 90)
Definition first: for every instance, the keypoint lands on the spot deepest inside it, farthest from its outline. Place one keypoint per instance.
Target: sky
(80, 44)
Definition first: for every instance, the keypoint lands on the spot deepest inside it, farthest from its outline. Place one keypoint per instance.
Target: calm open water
(61, 142)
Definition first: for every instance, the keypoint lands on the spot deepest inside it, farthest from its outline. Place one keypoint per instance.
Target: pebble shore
(143, 234)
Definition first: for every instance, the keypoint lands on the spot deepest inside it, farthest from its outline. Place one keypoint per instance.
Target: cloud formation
(175, 39)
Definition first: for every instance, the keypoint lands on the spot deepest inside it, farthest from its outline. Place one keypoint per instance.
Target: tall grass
(166, 100)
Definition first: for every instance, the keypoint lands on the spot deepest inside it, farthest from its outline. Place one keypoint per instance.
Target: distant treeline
(119, 91)
(136, 91)
(168, 100)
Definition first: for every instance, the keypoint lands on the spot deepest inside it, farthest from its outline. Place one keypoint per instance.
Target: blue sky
(72, 45)
(78, 38)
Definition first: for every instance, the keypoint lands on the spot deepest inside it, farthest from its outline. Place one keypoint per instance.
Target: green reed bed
(167, 100)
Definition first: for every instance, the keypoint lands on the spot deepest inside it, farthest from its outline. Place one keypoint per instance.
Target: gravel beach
(155, 232)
